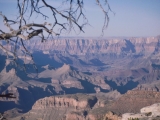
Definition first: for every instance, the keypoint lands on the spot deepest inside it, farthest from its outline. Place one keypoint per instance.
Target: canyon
(81, 78)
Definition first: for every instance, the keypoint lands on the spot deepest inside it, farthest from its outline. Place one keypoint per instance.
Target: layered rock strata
(88, 107)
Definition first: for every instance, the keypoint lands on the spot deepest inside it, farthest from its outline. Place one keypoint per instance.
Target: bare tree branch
(106, 19)
(8, 95)
(71, 11)
(7, 51)
(17, 33)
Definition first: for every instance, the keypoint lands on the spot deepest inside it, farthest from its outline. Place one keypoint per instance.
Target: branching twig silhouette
(8, 95)
(70, 16)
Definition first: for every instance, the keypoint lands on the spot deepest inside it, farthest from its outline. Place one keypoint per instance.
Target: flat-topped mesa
(66, 101)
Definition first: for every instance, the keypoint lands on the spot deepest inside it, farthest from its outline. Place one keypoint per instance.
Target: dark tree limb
(73, 17)
(8, 95)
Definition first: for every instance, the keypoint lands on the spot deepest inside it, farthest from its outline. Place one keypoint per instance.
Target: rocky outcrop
(65, 107)
(152, 111)
(67, 101)
(68, 107)
(111, 116)
(129, 103)
(131, 116)
(147, 113)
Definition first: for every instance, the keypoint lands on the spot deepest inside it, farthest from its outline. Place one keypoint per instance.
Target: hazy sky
(132, 18)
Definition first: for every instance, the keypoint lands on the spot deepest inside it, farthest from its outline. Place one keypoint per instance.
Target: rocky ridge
(29, 89)
(79, 46)
(80, 101)
(88, 107)
(68, 107)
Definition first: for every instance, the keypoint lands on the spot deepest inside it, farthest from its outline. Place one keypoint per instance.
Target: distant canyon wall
(118, 46)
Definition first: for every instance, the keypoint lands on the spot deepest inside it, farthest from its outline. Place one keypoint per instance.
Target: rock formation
(147, 113)
(82, 65)
(89, 107)
(110, 46)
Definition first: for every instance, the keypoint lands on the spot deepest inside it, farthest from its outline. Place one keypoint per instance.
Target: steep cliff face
(66, 107)
(116, 46)
(66, 101)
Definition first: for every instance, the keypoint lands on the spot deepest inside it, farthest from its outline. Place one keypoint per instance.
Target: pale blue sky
(133, 17)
